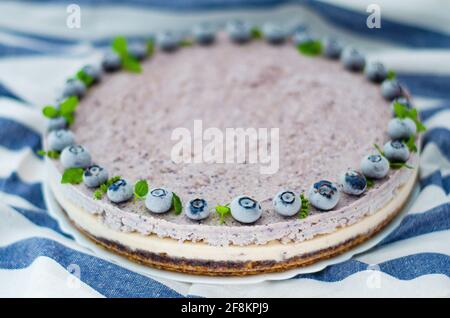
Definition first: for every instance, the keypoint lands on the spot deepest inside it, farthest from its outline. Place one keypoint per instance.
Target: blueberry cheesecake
(116, 136)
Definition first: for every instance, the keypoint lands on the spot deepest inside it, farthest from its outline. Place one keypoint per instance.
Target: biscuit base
(229, 268)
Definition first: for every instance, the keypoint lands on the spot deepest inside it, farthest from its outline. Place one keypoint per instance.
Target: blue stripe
(16, 136)
(428, 113)
(10, 50)
(437, 179)
(39, 37)
(436, 219)
(404, 268)
(354, 21)
(427, 85)
(6, 92)
(185, 5)
(107, 278)
(440, 137)
(394, 32)
(416, 265)
(43, 219)
(32, 192)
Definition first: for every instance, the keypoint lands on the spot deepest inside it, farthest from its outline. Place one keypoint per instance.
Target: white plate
(68, 227)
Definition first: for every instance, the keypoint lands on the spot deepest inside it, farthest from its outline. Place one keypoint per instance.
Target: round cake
(141, 162)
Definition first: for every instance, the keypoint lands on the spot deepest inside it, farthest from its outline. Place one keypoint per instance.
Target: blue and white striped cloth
(38, 52)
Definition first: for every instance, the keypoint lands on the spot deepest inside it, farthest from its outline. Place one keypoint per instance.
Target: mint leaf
(69, 105)
(50, 112)
(186, 43)
(370, 182)
(420, 127)
(52, 154)
(304, 211)
(256, 33)
(67, 109)
(223, 210)
(72, 176)
(414, 115)
(400, 110)
(103, 188)
(310, 48)
(98, 194)
(150, 47)
(141, 189)
(85, 78)
(378, 148)
(391, 75)
(131, 64)
(399, 165)
(176, 204)
(70, 118)
(411, 144)
(111, 181)
(119, 45)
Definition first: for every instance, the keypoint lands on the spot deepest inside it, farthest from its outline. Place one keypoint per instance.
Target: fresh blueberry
(332, 48)
(56, 123)
(239, 31)
(204, 33)
(403, 101)
(376, 72)
(111, 61)
(245, 210)
(60, 139)
(401, 128)
(273, 33)
(168, 41)
(324, 195)
(375, 166)
(94, 176)
(75, 156)
(287, 203)
(391, 89)
(74, 87)
(352, 59)
(159, 200)
(353, 182)
(92, 71)
(396, 151)
(120, 191)
(197, 209)
(138, 50)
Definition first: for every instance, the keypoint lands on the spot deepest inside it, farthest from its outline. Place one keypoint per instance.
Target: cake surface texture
(327, 119)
